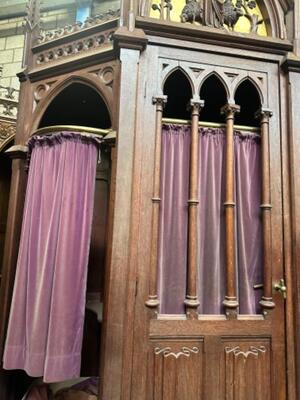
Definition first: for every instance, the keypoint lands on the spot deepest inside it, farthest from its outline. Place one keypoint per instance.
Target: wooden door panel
(212, 367)
(246, 366)
(242, 357)
(175, 370)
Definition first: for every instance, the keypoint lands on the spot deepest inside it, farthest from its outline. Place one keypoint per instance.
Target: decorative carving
(40, 91)
(185, 352)
(253, 351)
(46, 36)
(76, 47)
(7, 130)
(231, 13)
(32, 19)
(9, 92)
(220, 13)
(164, 4)
(8, 102)
(107, 75)
(192, 11)
(254, 19)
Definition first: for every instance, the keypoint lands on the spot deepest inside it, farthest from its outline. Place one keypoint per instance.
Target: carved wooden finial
(32, 19)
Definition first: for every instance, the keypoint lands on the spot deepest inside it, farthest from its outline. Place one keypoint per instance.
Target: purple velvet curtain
(46, 320)
(172, 263)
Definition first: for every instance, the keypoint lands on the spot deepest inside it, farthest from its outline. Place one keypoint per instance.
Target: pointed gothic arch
(77, 104)
(215, 95)
(248, 97)
(177, 86)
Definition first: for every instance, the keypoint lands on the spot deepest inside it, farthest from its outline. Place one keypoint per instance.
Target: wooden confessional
(205, 64)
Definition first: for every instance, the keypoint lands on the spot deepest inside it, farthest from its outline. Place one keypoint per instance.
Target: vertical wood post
(231, 302)
(11, 248)
(266, 207)
(153, 301)
(191, 300)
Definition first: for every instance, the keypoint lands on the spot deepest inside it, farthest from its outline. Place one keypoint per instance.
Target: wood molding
(71, 64)
(291, 63)
(212, 35)
(135, 39)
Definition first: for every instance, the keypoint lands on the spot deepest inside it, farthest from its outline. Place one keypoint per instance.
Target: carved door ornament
(253, 351)
(184, 352)
(240, 15)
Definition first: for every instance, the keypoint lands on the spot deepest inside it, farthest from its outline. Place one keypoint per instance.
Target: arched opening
(214, 95)
(77, 104)
(178, 89)
(81, 105)
(247, 97)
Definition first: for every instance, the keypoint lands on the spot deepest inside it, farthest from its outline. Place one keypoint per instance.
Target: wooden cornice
(191, 33)
(70, 64)
(71, 37)
(291, 63)
(135, 39)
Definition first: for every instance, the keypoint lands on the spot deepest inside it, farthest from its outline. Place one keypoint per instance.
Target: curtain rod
(77, 128)
(209, 124)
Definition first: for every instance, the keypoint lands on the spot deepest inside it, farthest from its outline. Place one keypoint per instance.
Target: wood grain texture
(175, 370)
(191, 300)
(231, 302)
(266, 207)
(153, 301)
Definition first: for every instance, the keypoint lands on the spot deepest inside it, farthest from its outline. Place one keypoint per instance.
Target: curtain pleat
(45, 329)
(172, 255)
(172, 264)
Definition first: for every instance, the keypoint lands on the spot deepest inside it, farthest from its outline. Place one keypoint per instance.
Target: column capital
(196, 105)
(17, 151)
(160, 100)
(230, 109)
(263, 113)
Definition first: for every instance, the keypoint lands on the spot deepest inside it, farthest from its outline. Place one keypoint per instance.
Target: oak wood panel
(5, 177)
(160, 328)
(246, 365)
(96, 265)
(175, 370)
(213, 330)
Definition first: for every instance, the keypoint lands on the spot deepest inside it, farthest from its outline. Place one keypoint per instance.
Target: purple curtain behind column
(172, 253)
(212, 266)
(46, 321)
(249, 249)
(172, 264)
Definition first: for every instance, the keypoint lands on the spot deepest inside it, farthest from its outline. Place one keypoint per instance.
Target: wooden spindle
(266, 208)
(153, 301)
(231, 302)
(191, 300)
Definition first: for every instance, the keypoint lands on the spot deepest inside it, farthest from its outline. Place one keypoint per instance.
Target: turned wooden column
(191, 300)
(266, 208)
(153, 301)
(231, 302)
